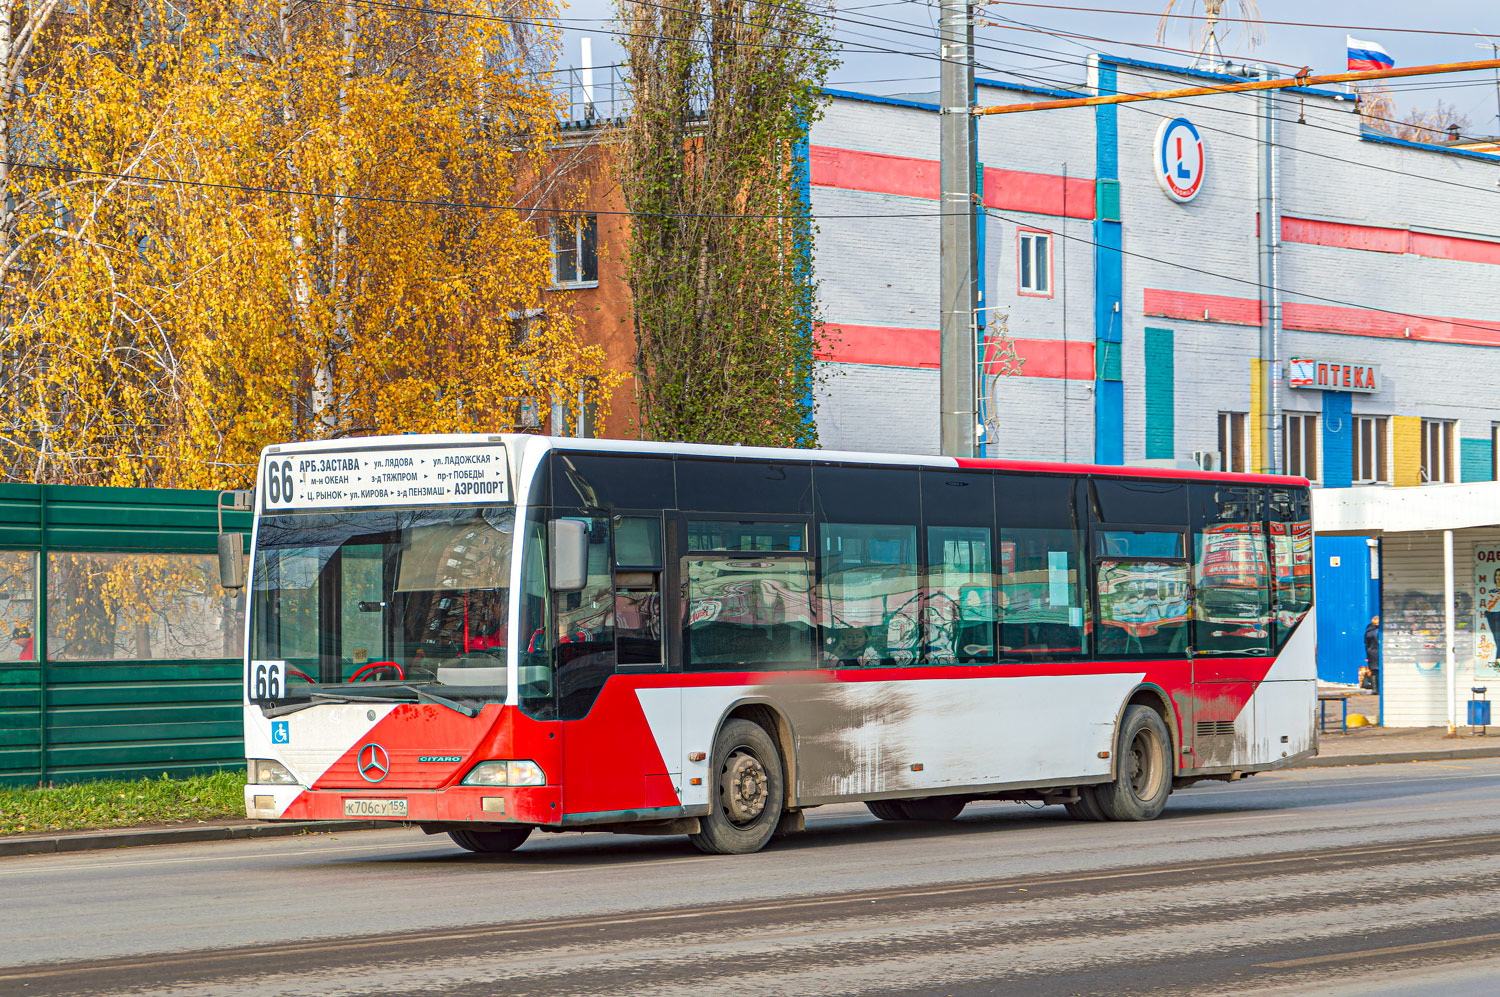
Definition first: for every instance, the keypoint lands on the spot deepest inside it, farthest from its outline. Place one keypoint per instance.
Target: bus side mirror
(568, 555)
(232, 560)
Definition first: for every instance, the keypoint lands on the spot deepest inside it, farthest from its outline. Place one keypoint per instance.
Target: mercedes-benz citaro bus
(493, 635)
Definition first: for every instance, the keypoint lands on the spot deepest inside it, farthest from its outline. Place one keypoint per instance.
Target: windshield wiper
(416, 695)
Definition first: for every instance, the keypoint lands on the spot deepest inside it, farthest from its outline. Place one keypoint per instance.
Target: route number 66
(266, 679)
(278, 482)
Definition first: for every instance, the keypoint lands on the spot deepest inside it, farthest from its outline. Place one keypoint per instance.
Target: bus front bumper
(477, 804)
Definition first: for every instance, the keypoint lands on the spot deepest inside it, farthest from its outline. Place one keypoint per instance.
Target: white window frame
(1304, 427)
(1238, 440)
(1380, 431)
(1438, 440)
(1026, 240)
(557, 227)
(1495, 451)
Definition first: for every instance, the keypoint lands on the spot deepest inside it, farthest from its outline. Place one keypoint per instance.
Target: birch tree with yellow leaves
(278, 220)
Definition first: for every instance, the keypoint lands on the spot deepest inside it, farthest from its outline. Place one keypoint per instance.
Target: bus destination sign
(417, 476)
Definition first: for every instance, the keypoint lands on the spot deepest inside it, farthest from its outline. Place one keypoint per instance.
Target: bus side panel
(870, 738)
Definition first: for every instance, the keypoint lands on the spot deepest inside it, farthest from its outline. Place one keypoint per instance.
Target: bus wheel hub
(744, 787)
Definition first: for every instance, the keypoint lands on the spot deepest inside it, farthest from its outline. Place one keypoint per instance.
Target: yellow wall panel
(1260, 453)
(1406, 437)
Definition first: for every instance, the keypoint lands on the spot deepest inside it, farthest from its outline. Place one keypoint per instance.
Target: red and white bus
(491, 635)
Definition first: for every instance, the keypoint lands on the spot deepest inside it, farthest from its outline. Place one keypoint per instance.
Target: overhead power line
(1241, 20)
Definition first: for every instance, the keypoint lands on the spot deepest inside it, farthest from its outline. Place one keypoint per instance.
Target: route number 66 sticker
(266, 679)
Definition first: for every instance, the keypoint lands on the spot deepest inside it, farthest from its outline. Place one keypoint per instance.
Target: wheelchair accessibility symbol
(281, 732)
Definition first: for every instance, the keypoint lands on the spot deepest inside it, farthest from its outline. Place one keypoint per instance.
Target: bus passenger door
(642, 609)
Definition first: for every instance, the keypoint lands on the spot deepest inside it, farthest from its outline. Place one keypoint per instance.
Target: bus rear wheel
(505, 839)
(748, 792)
(1143, 768)
(1086, 807)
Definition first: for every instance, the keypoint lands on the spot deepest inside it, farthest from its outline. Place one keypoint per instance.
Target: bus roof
(527, 442)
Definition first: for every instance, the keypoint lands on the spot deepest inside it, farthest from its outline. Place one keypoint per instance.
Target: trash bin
(1479, 710)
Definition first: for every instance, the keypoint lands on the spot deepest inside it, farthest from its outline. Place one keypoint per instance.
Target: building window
(1371, 436)
(575, 256)
(1437, 451)
(1495, 451)
(1299, 442)
(1034, 260)
(1232, 441)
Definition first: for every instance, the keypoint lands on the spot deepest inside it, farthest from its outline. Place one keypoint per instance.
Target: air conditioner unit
(1208, 460)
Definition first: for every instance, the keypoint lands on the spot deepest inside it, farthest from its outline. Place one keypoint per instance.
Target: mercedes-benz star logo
(374, 763)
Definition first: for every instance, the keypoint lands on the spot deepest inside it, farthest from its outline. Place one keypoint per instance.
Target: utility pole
(960, 242)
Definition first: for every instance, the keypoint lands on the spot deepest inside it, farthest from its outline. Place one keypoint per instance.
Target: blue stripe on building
(1338, 439)
(1109, 278)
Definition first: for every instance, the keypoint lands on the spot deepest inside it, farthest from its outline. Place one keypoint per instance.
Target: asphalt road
(1381, 879)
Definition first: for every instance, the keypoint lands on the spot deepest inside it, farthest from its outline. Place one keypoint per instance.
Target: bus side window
(749, 596)
(869, 580)
(536, 687)
(584, 641)
(1043, 607)
(1290, 516)
(1231, 570)
(638, 564)
(960, 598)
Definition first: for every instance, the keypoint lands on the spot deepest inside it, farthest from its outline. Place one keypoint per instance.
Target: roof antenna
(1210, 37)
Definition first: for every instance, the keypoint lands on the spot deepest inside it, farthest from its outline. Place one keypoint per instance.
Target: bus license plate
(374, 808)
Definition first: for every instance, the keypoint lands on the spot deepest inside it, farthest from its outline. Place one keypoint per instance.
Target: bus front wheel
(1143, 768)
(747, 792)
(505, 839)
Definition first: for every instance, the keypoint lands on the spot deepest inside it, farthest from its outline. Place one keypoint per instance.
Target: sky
(1027, 43)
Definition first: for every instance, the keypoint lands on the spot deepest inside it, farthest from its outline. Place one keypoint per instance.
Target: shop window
(1232, 441)
(575, 256)
(1371, 441)
(138, 607)
(1034, 262)
(869, 590)
(1299, 444)
(1437, 451)
(17, 606)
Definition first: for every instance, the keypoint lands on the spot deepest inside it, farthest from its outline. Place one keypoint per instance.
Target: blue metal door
(1347, 598)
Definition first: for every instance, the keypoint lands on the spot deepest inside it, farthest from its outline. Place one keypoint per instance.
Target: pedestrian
(1369, 677)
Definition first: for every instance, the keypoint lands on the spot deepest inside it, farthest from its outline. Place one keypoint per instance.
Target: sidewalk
(1382, 745)
(126, 837)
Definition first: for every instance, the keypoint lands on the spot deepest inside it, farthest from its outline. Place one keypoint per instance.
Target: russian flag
(1365, 55)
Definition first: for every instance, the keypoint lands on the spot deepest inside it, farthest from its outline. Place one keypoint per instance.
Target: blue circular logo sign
(1180, 161)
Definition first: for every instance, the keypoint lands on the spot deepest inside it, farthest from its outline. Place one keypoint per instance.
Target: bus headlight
(505, 773)
(267, 772)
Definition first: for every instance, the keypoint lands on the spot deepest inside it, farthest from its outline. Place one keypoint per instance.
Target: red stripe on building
(1039, 193)
(1370, 238)
(1202, 307)
(891, 347)
(1301, 316)
(875, 172)
(904, 176)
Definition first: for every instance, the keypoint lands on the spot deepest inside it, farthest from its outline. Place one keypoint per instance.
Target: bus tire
(504, 839)
(1086, 807)
(1143, 768)
(934, 808)
(746, 803)
(886, 809)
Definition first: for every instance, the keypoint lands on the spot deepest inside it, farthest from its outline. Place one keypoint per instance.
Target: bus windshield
(384, 603)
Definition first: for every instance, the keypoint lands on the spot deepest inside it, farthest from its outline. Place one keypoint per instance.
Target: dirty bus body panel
(513, 632)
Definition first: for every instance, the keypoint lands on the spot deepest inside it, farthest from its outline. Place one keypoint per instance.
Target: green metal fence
(139, 671)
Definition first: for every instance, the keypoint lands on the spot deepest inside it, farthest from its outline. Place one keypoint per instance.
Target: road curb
(1392, 757)
(132, 837)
